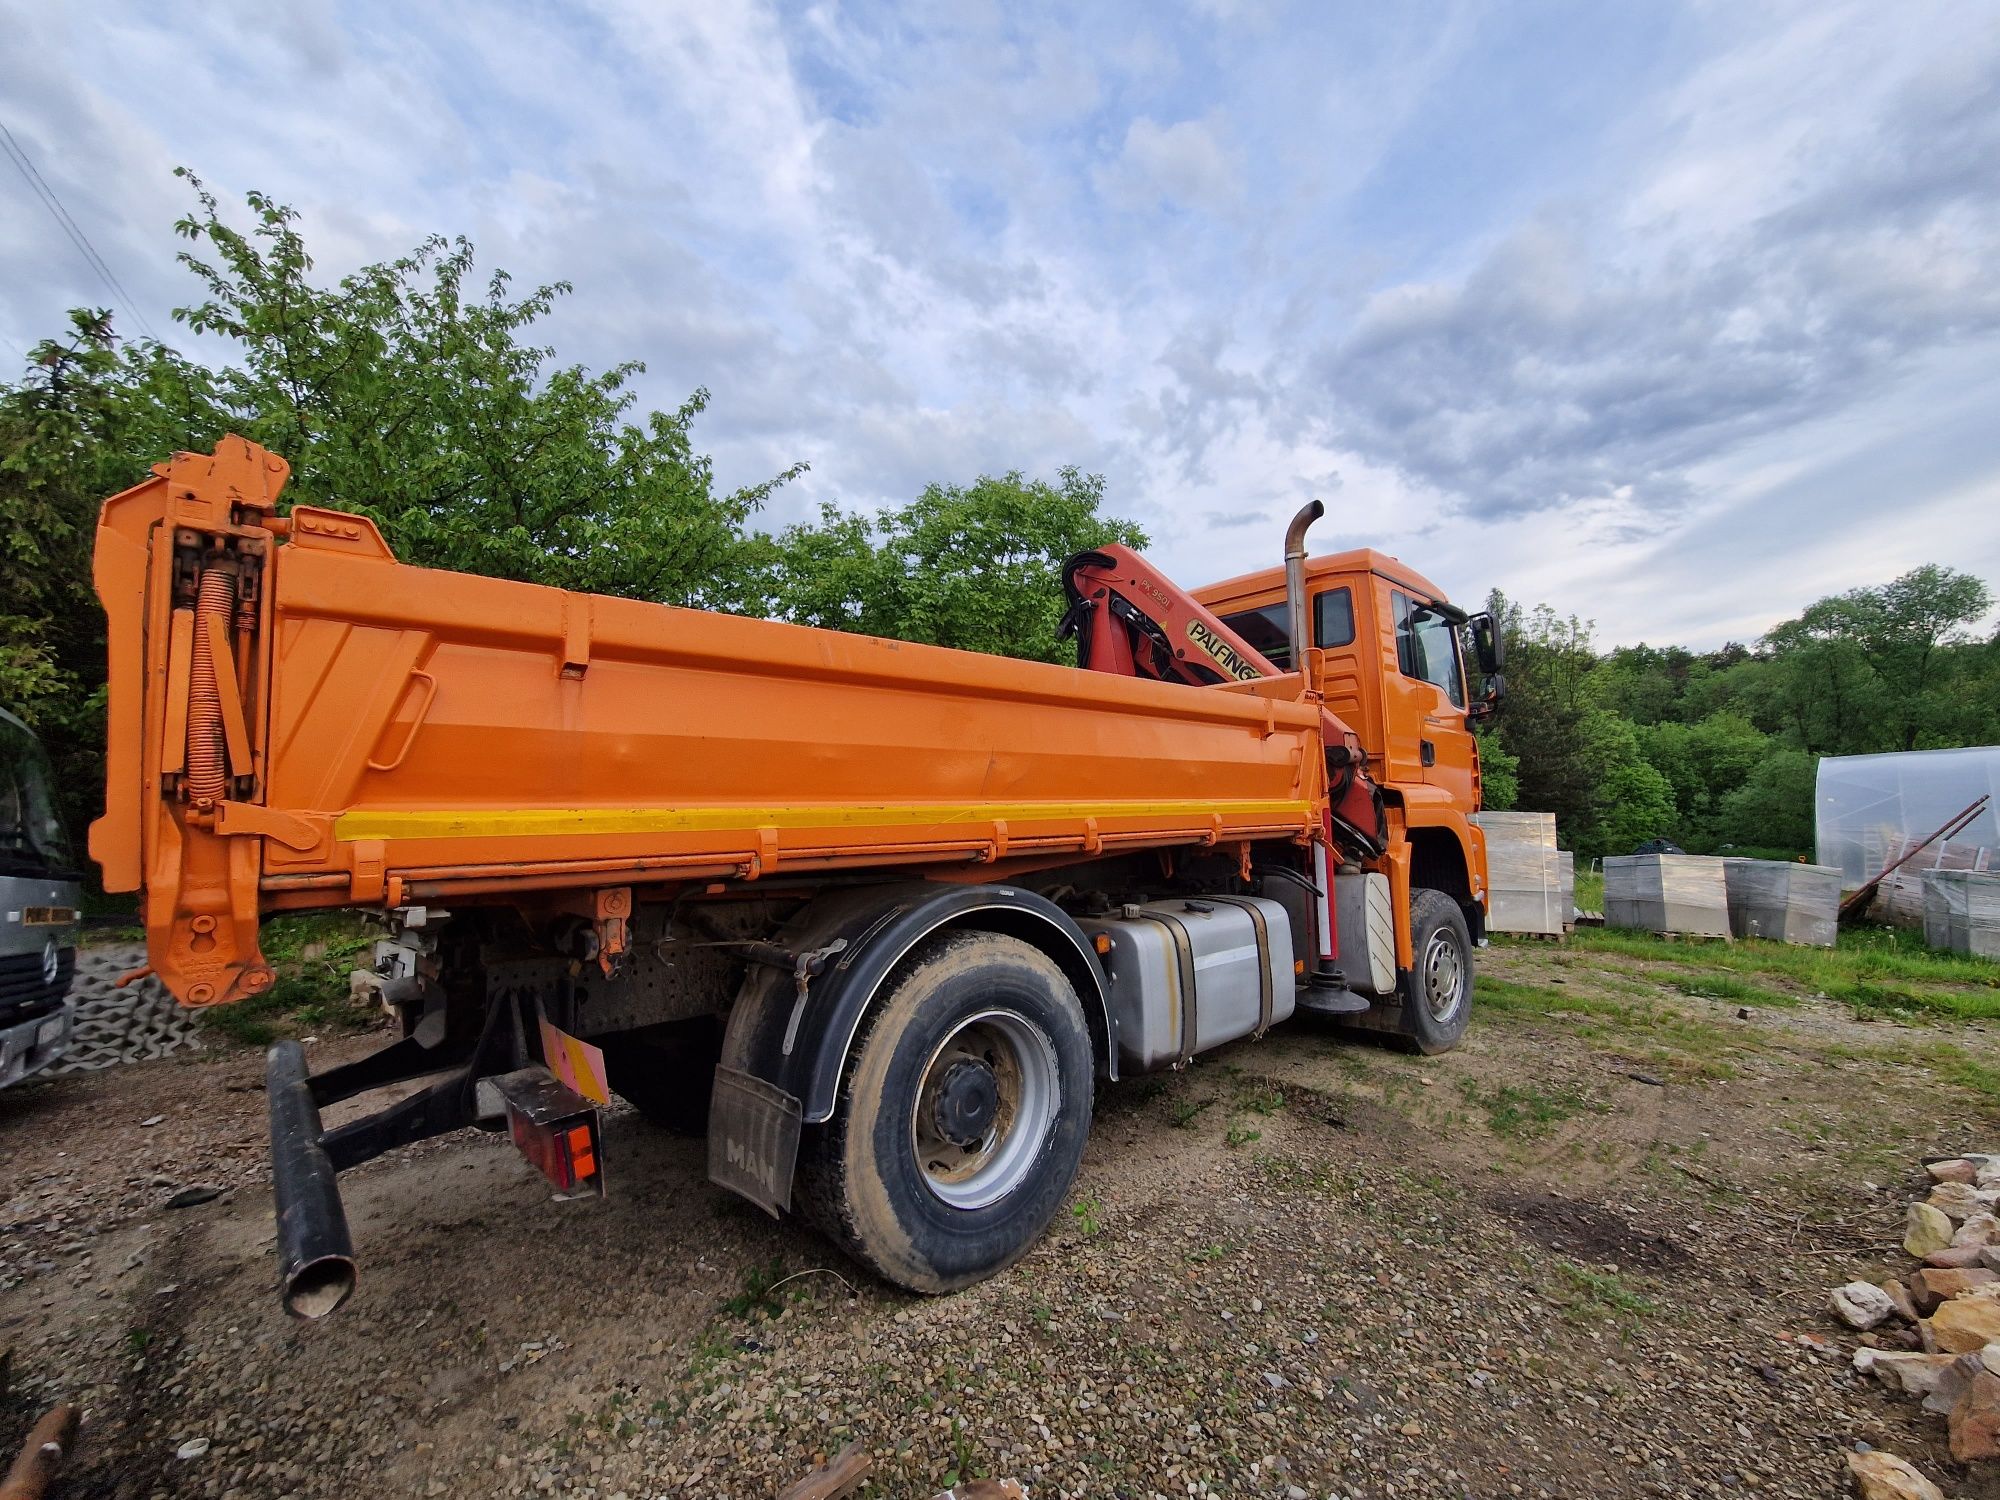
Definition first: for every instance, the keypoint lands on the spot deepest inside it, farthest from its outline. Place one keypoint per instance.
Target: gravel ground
(1588, 1254)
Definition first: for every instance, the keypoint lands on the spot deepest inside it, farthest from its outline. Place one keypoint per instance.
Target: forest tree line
(1718, 750)
(412, 393)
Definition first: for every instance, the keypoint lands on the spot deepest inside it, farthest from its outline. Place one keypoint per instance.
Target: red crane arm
(1131, 620)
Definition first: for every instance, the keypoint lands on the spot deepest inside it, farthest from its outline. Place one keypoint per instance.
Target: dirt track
(1305, 1267)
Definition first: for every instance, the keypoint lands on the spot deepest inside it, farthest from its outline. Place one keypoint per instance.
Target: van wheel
(1433, 1001)
(667, 1073)
(961, 1118)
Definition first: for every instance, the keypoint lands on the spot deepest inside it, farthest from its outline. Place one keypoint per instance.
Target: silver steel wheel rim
(1028, 1087)
(1444, 977)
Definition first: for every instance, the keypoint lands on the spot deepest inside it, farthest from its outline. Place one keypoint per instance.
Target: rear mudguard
(795, 1034)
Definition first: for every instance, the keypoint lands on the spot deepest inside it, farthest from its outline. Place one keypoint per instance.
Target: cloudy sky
(1676, 316)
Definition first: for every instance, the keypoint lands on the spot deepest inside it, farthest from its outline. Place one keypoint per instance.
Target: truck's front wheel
(1433, 1002)
(962, 1116)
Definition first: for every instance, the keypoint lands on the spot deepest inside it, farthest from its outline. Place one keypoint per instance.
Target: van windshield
(31, 835)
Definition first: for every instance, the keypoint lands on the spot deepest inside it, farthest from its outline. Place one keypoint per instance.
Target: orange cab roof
(1359, 560)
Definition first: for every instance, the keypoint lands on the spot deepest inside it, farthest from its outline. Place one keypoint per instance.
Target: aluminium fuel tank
(1192, 973)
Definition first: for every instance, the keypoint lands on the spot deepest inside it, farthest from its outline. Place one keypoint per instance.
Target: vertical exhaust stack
(1299, 632)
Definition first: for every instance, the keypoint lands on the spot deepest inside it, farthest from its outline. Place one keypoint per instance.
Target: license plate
(48, 1031)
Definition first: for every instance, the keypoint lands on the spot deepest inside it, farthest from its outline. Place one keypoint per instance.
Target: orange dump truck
(875, 916)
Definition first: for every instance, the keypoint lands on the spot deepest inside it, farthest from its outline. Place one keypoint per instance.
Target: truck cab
(1389, 656)
(39, 900)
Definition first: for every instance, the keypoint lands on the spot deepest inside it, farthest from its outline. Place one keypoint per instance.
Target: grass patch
(1873, 970)
(1526, 1110)
(1728, 987)
(1089, 1216)
(1506, 996)
(313, 955)
(1590, 890)
(1956, 1065)
(1873, 998)
(1860, 953)
(1947, 1062)
(1600, 1292)
(1267, 1101)
(759, 1297)
(1694, 1047)
(1489, 993)
(1300, 1176)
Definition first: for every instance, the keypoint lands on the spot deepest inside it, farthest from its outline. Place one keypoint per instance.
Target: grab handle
(430, 692)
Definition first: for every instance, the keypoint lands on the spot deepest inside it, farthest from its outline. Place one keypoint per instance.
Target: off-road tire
(860, 1179)
(1410, 1019)
(668, 1074)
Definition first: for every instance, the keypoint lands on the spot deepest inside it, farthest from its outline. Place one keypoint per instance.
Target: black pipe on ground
(315, 1250)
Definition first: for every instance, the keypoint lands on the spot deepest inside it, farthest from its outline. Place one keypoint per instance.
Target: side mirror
(1488, 648)
(1483, 706)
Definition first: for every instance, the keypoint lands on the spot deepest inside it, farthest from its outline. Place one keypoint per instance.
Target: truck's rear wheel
(1433, 1001)
(961, 1119)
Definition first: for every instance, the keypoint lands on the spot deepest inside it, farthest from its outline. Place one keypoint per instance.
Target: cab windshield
(31, 835)
(1427, 646)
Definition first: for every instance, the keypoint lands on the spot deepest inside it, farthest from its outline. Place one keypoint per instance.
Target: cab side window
(1333, 618)
(1267, 629)
(1264, 630)
(1427, 647)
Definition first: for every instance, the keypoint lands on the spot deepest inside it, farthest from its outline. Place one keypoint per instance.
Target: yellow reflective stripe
(542, 822)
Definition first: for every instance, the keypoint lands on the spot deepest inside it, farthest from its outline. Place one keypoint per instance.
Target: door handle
(1427, 752)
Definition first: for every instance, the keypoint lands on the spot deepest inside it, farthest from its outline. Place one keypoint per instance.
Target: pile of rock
(1947, 1318)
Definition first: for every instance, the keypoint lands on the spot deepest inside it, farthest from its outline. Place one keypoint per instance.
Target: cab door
(1433, 679)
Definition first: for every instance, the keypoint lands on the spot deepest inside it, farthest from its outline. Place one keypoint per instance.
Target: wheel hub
(1443, 978)
(988, 1099)
(966, 1103)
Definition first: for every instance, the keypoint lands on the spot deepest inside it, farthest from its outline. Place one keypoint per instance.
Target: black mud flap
(753, 1139)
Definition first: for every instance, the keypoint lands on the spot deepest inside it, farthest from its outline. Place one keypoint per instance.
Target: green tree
(83, 423)
(411, 394)
(1703, 763)
(1499, 772)
(398, 393)
(1871, 669)
(1628, 800)
(1733, 735)
(1634, 804)
(1773, 810)
(1649, 684)
(1541, 723)
(1970, 710)
(977, 567)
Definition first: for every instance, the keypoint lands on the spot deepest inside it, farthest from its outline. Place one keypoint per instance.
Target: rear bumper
(27, 1047)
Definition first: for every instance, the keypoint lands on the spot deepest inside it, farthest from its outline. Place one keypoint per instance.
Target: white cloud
(1184, 165)
(1578, 347)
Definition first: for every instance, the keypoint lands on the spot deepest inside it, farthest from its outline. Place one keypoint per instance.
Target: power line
(71, 228)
